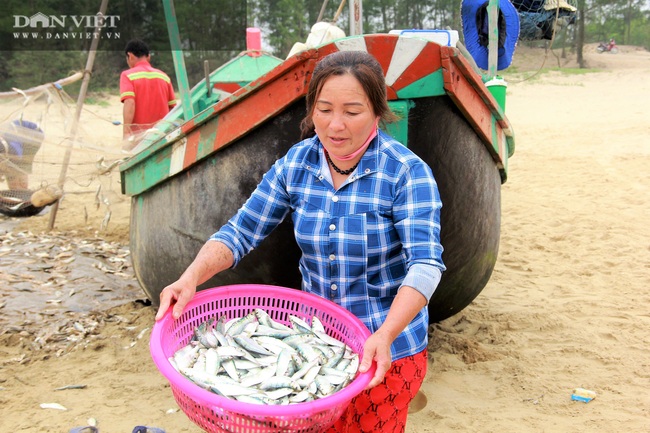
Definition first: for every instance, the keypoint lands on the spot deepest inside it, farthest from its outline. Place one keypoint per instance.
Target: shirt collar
(316, 159)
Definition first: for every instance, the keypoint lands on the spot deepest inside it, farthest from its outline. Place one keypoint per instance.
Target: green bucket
(497, 87)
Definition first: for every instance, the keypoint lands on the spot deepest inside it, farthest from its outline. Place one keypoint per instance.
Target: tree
(581, 33)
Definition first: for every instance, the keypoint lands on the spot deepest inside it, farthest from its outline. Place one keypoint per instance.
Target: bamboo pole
(80, 102)
(38, 89)
(322, 11)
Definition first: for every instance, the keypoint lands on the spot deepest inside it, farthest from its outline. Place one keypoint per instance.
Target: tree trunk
(580, 40)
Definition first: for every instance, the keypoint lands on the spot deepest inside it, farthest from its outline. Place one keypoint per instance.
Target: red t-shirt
(153, 93)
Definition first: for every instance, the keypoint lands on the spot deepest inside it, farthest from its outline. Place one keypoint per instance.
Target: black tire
(470, 189)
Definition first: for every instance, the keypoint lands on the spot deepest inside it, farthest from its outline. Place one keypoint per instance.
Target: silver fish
(317, 325)
(229, 390)
(277, 382)
(186, 356)
(324, 385)
(302, 396)
(263, 317)
(260, 360)
(285, 359)
(277, 394)
(256, 379)
(231, 370)
(272, 342)
(212, 361)
(264, 330)
(239, 325)
(299, 324)
(308, 352)
(329, 340)
(251, 345)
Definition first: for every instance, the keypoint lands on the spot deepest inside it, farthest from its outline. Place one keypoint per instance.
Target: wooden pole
(80, 102)
(322, 11)
(179, 61)
(43, 87)
(356, 17)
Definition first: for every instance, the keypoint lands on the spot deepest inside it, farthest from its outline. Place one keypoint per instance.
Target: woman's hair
(362, 66)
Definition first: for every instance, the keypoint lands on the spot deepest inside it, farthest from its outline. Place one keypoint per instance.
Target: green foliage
(31, 68)
(214, 30)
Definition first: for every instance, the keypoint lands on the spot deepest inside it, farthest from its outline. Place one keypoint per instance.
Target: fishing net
(542, 19)
(46, 154)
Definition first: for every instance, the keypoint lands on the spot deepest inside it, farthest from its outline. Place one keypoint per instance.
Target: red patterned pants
(384, 408)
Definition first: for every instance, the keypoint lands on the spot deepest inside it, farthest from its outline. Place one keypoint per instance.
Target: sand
(566, 307)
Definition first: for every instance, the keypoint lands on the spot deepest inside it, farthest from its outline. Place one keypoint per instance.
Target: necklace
(338, 170)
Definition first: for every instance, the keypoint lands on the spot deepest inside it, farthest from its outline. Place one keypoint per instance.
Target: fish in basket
(256, 358)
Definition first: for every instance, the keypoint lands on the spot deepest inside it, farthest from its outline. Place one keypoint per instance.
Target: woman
(20, 140)
(366, 215)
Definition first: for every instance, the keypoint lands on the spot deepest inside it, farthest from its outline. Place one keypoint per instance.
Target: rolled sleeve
(423, 278)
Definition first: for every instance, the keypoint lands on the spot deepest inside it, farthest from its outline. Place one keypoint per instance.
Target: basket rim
(304, 409)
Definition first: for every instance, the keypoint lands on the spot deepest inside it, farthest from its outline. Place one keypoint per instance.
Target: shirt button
(334, 287)
(332, 256)
(335, 199)
(332, 227)
(367, 170)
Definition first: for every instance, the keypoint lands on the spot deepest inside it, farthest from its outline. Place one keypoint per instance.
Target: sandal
(145, 429)
(86, 429)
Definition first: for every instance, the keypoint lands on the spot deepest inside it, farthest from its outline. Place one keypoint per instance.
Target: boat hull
(187, 185)
(174, 221)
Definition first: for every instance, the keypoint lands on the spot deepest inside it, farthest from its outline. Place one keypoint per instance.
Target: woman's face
(343, 117)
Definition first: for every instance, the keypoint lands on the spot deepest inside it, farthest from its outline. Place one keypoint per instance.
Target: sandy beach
(566, 307)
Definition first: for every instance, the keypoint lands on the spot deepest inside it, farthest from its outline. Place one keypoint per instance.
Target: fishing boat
(185, 184)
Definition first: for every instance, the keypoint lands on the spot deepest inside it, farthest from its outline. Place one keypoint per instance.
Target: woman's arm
(265, 209)
(406, 305)
(213, 258)
(416, 218)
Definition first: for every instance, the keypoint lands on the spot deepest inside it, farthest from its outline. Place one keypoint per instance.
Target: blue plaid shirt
(358, 242)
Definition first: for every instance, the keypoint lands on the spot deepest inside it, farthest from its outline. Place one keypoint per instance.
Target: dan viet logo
(41, 26)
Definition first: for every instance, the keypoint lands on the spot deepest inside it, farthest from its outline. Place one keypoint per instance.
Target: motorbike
(609, 47)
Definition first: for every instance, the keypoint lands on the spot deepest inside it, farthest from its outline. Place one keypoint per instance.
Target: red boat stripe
(191, 150)
(267, 101)
(382, 49)
(427, 62)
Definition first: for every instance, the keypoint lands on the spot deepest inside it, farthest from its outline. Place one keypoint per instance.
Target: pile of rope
(542, 19)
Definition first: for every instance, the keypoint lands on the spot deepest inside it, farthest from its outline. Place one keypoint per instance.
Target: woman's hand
(405, 306)
(377, 349)
(177, 294)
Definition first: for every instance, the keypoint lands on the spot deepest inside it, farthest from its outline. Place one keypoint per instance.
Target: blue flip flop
(145, 429)
(86, 429)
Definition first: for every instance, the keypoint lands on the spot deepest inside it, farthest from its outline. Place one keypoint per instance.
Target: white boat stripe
(406, 50)
(352, 44)
(177, 157)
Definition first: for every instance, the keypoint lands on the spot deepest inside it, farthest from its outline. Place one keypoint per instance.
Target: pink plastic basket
(214, 413)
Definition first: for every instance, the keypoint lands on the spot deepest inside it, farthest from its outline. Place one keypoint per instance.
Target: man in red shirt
(146, 92)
